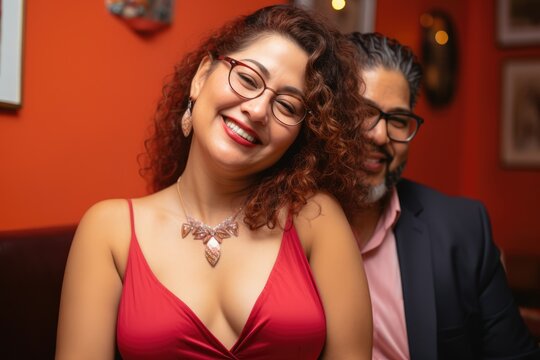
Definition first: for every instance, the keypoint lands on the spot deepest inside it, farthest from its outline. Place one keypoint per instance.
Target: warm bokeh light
(441, 37)
(426, 20)
(338, 4)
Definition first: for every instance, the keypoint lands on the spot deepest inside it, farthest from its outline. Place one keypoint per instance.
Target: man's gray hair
(377, 50)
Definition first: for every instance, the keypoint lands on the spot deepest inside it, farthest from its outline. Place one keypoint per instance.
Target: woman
(252, 135)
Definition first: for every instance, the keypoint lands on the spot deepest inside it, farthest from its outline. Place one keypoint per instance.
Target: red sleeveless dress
(286, 322)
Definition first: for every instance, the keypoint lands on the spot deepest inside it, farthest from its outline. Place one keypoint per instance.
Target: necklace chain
(211, 236)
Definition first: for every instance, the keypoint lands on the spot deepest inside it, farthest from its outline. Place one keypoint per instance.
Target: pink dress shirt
(384, 279)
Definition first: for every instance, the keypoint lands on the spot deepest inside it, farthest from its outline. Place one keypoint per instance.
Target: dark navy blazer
(457, 302)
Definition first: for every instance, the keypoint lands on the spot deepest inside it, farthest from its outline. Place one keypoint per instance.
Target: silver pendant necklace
(211, 236)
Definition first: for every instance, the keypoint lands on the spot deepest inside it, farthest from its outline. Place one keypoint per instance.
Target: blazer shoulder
(421, 197)
(454, 223)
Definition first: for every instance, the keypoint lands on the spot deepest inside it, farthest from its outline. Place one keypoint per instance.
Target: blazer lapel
(415, 262)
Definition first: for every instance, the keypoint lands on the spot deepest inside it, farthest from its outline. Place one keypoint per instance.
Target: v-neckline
(193, 314)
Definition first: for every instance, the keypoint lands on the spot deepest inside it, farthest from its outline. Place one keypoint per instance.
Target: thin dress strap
(131, 217)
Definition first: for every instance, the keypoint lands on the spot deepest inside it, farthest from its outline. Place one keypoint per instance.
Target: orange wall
(90, 87)
(457, 151)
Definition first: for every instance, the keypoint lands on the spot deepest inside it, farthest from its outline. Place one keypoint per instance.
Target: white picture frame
(520, 113)
(11, 44)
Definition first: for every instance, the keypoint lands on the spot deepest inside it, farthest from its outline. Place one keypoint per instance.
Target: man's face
(388, 90)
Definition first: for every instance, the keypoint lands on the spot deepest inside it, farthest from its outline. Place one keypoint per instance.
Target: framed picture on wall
(518, 22)
(347, 16)
(520, 127)
(11, 37)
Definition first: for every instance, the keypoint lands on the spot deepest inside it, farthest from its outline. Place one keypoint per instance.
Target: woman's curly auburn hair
(329, 149)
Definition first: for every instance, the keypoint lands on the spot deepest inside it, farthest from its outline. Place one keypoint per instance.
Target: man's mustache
(383, 150)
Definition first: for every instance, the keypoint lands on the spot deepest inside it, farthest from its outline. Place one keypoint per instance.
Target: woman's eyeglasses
(245, 81)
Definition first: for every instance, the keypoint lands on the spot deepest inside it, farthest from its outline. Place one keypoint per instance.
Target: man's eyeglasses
(245, 81)
(401, 126)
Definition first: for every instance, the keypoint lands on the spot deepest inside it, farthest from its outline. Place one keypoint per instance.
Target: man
(437, 285)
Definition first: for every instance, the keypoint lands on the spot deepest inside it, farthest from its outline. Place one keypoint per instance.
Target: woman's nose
(259, 108)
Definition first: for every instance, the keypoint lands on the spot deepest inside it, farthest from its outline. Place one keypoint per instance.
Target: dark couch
(31, 270)
(523, 272)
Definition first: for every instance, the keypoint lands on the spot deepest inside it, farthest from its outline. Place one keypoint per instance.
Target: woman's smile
(236, 131)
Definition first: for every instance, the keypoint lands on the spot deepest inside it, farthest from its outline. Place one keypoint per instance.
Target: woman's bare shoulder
(112, 216)
(319, 209)
(106, 223)
(105, 213)
(321, 213)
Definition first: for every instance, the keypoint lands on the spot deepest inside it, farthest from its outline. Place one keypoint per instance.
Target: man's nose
(379, 133)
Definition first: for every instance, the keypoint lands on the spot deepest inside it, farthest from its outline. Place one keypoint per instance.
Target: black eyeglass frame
(234, 63)
(387, 115)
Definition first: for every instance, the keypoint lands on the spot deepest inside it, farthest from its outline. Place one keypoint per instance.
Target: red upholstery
(31, 270)
(523, 272)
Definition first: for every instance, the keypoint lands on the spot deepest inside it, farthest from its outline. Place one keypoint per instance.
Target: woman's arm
(92, 285)
(337, 266)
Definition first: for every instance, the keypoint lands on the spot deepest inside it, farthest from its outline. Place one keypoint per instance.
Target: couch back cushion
(32, 266)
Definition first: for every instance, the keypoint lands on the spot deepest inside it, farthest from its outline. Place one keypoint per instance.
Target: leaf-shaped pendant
(232, 228)
(210, 236)
(186, 229)
(221, 234)
(212, 250)
(201, 233)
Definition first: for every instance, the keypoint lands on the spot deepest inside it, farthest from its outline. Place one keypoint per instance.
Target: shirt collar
(386, 223)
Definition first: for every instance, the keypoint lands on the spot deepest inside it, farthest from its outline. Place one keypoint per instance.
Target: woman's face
(238, 134)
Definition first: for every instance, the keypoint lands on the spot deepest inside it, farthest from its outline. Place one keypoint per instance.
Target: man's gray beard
(380, 192)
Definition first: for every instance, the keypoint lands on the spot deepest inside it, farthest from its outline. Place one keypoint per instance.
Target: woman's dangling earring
(187, 123)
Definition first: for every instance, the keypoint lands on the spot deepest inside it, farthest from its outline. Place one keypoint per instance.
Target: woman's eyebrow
(261, 67)
(289, 89)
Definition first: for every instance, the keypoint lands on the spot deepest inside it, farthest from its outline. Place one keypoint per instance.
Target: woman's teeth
(239, 131)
